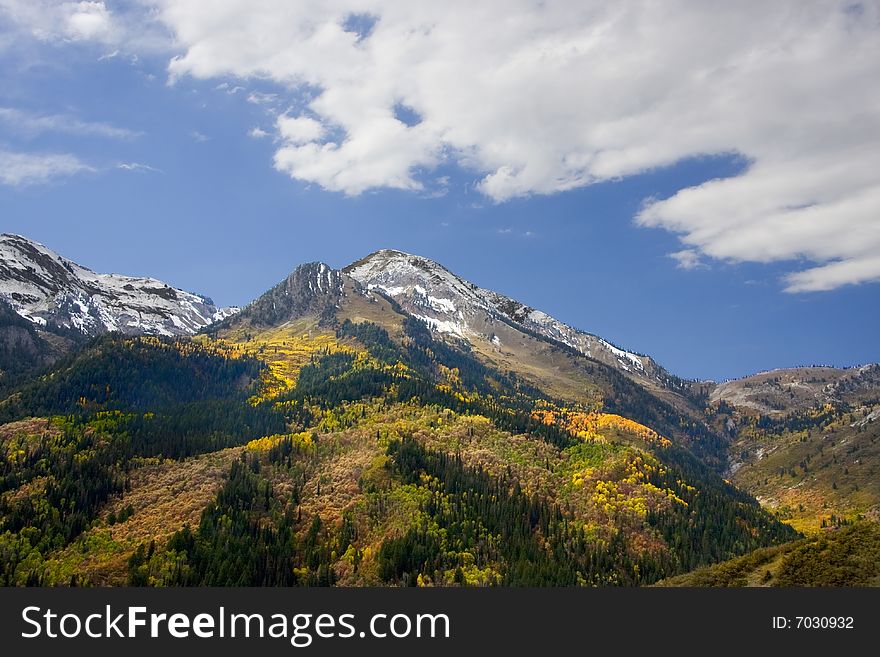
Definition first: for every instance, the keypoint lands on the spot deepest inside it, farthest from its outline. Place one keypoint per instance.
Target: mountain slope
(560, 360)
(386, 424)
(56, 293)
(371, 451)
(300, 315)
(785, 391)
(814, 468)
(450, 304)
(381, 465)
(842, 557)
(21, 348)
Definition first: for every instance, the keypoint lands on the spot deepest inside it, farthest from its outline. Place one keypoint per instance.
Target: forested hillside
(847, 556)
(329, 435)
(350, 458)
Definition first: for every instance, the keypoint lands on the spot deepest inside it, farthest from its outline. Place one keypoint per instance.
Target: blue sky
(132, 155)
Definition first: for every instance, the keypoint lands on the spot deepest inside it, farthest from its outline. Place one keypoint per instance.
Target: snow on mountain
(52, 291)
(449, 304)
(224, 313)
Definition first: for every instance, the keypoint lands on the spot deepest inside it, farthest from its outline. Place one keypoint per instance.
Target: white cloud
(259, 98)
(63, 21)
(827, 277)
(124, 25)
(88, 21)
(257, 133)
(687, 259)
(137, 166)
(28, 124)
(199, 137)
(538, 98)
(299, 130)
(228, 88)
(23, 169)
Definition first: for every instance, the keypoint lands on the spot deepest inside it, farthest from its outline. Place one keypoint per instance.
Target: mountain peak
(312, 288)
(388, 269)
(316, 277)
(451, 304)
(21, 238)
(386, 259)
(388, 253)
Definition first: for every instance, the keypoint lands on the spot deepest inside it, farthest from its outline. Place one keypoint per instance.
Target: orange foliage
(592, 426)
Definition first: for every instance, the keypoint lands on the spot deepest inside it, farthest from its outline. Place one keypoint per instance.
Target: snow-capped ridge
(52, 291)
(450, 304)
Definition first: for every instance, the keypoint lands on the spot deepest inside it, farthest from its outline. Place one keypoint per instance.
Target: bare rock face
(311, 289)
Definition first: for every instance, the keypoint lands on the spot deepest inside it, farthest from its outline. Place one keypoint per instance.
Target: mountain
(313, 288)
(391, 287)
(318, 452)
(814, 469)
(452, 305)
(59, 295)
(784, 391)
(804, 441)
(391, 423)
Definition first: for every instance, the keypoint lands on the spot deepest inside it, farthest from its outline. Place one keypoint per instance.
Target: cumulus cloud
(299, 130)
(539, 98)
(23, 169)
(88, 20)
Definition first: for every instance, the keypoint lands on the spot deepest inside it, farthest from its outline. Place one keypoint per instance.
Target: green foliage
(841, 557)
(333, 379)
(424, 355)
(244, 538)
(531, 542)
(845, 557)
(69, 469)
(717, 523)
(487, 523)
(187, 399)
(23, 351)
(79, 468)
(115, 372)
(508, 401)
(812, 476)
(408, 508)
(376, 339)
